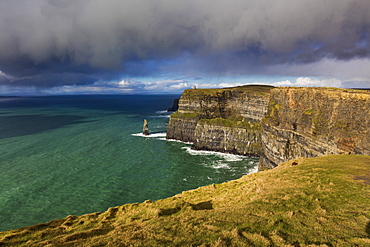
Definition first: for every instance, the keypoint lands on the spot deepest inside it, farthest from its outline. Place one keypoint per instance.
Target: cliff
(310, 122)
(276, 124)
(226, 120)
(175, 106)
(322, 201)
(223, 135)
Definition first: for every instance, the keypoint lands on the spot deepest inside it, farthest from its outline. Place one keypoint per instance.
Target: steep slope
(310, 122)
(322, 201)
(221, 119)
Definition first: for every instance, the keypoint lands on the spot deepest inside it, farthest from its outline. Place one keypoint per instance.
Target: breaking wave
(154, 135)
(225, 156)
(161, 114)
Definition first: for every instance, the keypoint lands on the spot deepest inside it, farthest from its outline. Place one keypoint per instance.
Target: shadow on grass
(367, 229)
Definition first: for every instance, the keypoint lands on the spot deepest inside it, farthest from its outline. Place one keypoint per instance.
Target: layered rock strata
(310, 122)
(299, 122)
(182, 126)
(226, 120)
(216, 135)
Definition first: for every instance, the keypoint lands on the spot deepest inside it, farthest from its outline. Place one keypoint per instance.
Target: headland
(318, 194)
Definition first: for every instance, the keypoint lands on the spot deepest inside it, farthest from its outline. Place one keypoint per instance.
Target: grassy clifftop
(322, 201)
(224, 120)
(261, 89)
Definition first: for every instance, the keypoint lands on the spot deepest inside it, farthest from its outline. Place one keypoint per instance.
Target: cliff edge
(321, 201)
(225, 120)
(310, 122)
(277, 124)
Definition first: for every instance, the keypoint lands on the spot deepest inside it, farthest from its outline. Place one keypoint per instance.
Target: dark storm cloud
(357, 84)
(39, 38)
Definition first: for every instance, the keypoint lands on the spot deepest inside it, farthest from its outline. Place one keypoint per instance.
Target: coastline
(61, 166)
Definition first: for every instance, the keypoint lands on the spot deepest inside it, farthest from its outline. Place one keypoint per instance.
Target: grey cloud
(38, 37)
(356, 84)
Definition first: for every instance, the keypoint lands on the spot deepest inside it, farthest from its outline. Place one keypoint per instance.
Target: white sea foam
(155, 135)
(225, 156)
(174, 140)
(160, 116)
(253, 170)
(162, 112)
(231, 157)
(221, 165)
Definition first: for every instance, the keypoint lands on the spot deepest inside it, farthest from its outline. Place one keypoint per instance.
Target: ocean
(71, 155)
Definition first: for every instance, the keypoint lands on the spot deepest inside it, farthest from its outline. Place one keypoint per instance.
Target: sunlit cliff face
(310, 122)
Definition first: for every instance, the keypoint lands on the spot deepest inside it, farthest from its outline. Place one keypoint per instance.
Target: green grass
(185, 115)
(308, 112)
(272, 113)
(260, 89)
(322, 201)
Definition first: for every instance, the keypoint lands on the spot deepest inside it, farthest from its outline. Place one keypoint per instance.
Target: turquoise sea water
(71, 155)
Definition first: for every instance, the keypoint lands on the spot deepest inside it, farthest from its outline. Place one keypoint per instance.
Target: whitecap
(253, 170)
(225, 156)
(162, 112)
(174, 140)
(231, 157)
(156, 135)
(220, 165)
(160, 116)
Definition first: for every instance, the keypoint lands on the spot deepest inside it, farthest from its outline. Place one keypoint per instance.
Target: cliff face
(182, 127)
(310, 122)
(249, 102)
(217, 136)
(226, 120)
(299, 122)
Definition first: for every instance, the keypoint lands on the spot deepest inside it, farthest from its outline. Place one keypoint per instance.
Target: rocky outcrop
(145, 128)
(278, 125)
(249, 102)
(182, 126)
(175, 106)
(227, 120)
(310, 122)
(216, 135)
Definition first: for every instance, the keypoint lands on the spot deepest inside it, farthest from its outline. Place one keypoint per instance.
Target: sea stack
(145, 128)
(175, 106)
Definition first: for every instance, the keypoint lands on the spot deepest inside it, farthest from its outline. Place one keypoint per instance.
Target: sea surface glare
(71, 155)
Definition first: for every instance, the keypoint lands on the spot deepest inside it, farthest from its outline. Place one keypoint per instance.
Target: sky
(166, 46)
